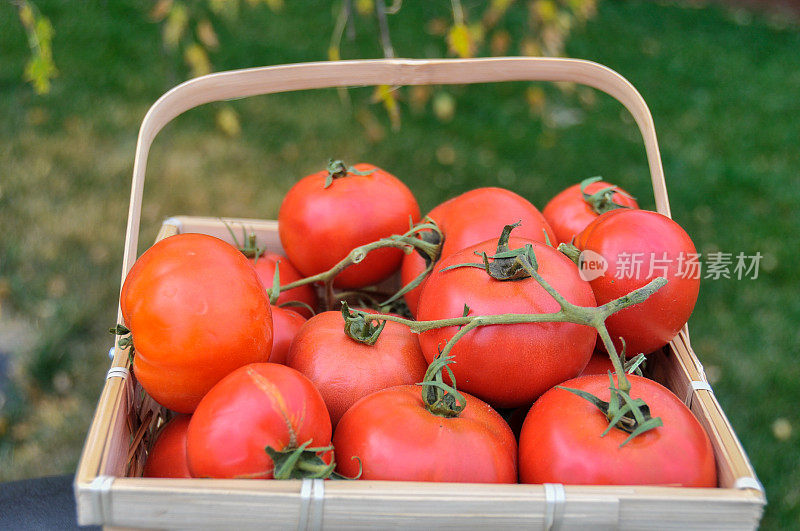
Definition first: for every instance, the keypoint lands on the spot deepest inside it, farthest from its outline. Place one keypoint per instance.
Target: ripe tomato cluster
(478, 370)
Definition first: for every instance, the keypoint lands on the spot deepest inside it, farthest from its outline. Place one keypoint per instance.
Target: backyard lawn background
(723, 87)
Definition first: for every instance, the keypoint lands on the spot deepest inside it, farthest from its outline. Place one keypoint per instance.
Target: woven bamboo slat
(109, 492)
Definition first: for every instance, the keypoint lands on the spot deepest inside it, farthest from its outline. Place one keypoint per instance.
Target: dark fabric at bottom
(41, 503)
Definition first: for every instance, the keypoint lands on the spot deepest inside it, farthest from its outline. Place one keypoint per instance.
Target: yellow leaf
(476, 33)
(365, 7)
(546, 10)
(228, 121)
(44, 30)
(333, 54)
(501, 5)
(160, 10)
(197, 59)
(207, 35)
(38, 72)
(536, 99)
(175, 26)
(26, 15)
(459, 41)
(386, 95)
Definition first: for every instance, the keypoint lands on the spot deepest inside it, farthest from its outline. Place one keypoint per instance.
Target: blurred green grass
(722, 87)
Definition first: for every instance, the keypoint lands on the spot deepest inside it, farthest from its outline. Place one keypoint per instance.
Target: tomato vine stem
(622, 411)
(408, 242)
(512, 264)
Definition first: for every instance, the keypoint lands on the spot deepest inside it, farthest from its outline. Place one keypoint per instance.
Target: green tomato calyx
(602, 201)
(441, 399)
(360, 326)
(506, 263)
(338, 169)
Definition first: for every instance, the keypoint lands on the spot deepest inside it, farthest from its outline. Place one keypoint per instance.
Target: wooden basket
(108, 491)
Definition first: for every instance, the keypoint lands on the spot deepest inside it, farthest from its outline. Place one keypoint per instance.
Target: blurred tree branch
(40, 68)
(476, 28)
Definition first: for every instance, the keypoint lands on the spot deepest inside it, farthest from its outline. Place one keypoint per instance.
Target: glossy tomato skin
(286, 323)
(474, 217)
(196, 311)
(620, 236)
(250, 409)
(265, 267)
(508, 365)
(397, 438)
(568, 213)
(167, 459)
(345, 370)
(319, 226)
(561, 443)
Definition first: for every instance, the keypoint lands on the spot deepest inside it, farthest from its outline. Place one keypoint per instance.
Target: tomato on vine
(567, 439)
(348, 358)
(571, 210)
(638, 246)
(425, 433)
(327, 214)
(474, 217)
(507, 365)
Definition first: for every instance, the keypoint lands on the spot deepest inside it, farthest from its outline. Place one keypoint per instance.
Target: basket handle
(284, 78)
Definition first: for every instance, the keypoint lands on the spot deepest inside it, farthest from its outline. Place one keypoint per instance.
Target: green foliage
(40, 68)
(189, 28)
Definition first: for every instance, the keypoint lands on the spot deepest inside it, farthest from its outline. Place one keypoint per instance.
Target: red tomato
(345, 370)
(258, 405)
(167, 459)
(319, 226)
(474, 217)
(569, 213)
(660, 247)
(265, 267)
(561, 443)
(196, 311)
(285, 325)
(396, 438)
(599, 363)
(508, 365)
